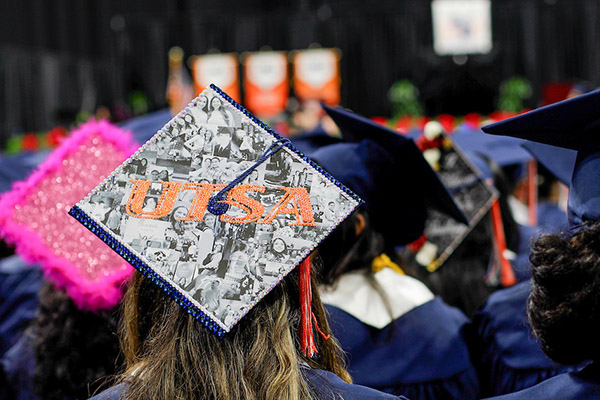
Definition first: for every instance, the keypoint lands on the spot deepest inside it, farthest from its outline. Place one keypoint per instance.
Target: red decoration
(447, 122)
(30, 142)
(55, 135)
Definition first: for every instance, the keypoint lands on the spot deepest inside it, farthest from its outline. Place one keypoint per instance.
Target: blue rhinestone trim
(257, 121)
(148, 272)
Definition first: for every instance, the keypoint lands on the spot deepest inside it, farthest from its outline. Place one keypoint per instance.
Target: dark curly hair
(74, 349)
(564, 303)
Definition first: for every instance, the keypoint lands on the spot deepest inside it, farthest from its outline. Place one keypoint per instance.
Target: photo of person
(199, 110)
(279, 251)
(222, 142)
(218, 114)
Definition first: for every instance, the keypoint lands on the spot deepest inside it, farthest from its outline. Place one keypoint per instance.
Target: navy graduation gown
(325, 383)
(421, 354)
(505, 352)
(19, 284)
(582, 385)
(19, 366)
(520, 264)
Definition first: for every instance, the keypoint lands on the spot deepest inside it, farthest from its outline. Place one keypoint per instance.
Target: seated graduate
(70, 343)
(399, 337)
(563, 303)
(507, 355)
(229, 345)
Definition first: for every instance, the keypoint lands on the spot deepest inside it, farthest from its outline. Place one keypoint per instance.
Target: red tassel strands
(307, 339)
(507, 275)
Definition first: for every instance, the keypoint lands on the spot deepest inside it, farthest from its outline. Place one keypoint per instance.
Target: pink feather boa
(89, 292)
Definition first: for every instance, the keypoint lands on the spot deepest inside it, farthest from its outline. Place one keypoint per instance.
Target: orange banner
(220, 69)
(317, 75)
(266, 86)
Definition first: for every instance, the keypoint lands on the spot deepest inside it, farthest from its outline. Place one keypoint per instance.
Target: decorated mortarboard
(226, 210)
(417, 174)
(470, 190)
(571, 124)
(33, 215)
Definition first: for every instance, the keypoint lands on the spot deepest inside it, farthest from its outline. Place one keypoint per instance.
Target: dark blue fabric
(331, 387)
(415, 171)
(19, 365)
(521, 262)
(112, 393)
(505, 352)
(582, 385)
(308, 142)
(504, 151)
(19, 284)
(15, 168)
(570, 123)
(584, 192)
(558, 161)
(325, 383)
(145, 126)
(421, 355)
(551, 218)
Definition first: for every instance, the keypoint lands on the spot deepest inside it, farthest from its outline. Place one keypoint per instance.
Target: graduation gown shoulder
(507, 355)
(328, 385)
(420, 352)
(581, 385)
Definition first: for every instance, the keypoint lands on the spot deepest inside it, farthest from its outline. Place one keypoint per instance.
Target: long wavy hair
(169, 355)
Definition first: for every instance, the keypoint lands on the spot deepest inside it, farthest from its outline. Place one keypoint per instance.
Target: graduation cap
(33, 216)
(503, 150)
(218, 236)
(559, 161)
(417, 174)
(571, 124)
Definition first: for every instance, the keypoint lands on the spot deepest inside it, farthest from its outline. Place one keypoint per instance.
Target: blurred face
(202, 102)
(180, 212)
(209, 220)
(163, 175)
(278, 245)
(150, 203)
(206, 163)
(215, 103)
(188, 225)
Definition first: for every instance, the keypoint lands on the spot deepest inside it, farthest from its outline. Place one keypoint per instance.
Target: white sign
(461, 26)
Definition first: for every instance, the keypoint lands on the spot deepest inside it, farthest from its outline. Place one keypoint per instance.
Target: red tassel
(307, 339)
(507, 275)
(532, 192)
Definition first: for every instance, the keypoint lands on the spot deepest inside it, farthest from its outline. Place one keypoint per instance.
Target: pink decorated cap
(34, 216)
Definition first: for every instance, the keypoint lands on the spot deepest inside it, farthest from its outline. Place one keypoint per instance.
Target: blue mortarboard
(369, 170)
(504, 151)
(559, 161)
(571, 124)
(145, 126)
(308, 142)
(417, 175)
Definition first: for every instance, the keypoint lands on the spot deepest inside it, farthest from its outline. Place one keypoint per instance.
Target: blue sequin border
(145, 270)
(257, 121)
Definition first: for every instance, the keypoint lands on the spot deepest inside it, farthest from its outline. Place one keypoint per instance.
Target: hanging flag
(266, 86)
(220, 69)
(317, 75)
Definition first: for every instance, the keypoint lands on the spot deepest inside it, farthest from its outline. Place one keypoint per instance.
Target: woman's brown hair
(169, 355)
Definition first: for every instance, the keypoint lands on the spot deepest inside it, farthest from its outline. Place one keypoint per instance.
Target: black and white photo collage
(470, 192)
(223, 266)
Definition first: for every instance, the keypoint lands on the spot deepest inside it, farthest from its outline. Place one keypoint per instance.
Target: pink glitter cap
(34, 216)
